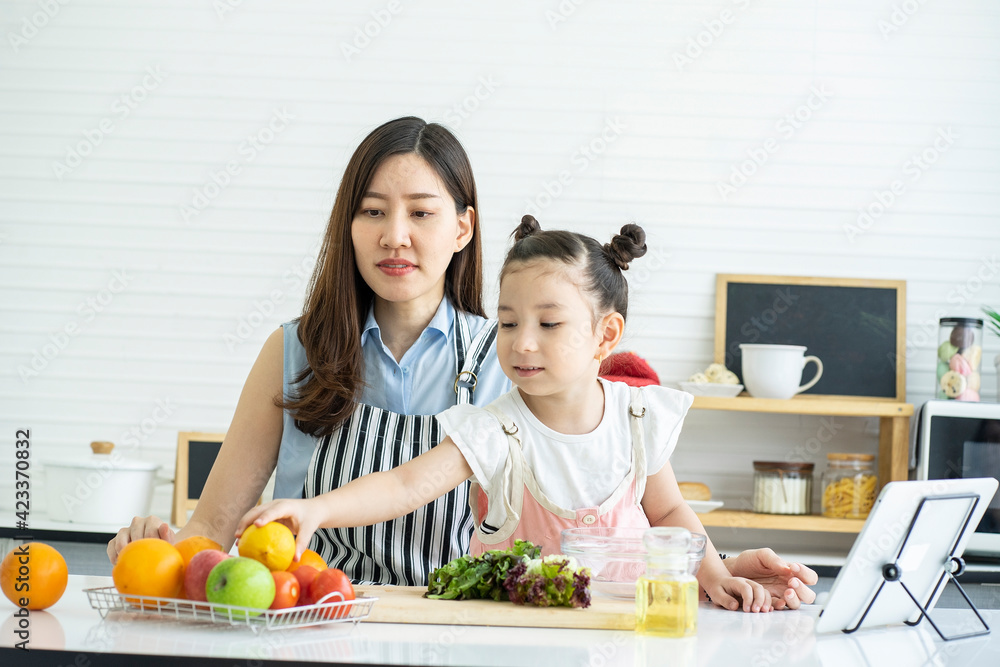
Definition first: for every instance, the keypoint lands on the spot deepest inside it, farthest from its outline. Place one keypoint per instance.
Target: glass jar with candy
(959, 358)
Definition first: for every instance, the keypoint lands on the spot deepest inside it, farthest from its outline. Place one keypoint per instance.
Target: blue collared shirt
(422, 382)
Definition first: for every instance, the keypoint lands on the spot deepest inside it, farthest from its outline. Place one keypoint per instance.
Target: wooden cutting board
(406, 604)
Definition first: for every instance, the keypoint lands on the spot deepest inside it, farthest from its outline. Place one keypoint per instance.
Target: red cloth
(630, 368)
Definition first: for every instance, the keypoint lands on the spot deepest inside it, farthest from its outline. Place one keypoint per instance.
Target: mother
(392, 332)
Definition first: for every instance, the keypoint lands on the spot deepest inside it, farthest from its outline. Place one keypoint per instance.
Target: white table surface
(724, 638)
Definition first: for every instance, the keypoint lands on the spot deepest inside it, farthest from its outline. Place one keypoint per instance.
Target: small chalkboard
(856, 327)
(196, 453)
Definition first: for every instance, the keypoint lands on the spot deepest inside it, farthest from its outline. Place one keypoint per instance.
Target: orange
(189, 546)
(150, 567)
(35, 573)
(272, 544)
(309, 557)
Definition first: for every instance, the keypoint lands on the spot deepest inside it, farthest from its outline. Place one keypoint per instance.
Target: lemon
(272, 544)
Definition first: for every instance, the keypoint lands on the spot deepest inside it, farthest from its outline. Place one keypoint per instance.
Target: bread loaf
(695, 491)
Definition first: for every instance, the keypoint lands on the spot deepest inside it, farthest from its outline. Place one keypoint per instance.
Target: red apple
(196, 573)
(306, 574)
(335, 584)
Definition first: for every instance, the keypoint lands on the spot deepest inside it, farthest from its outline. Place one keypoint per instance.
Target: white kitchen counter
(724, 638)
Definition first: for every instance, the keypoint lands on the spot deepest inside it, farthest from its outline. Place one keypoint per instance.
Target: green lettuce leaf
(553, 581)
(478, 577)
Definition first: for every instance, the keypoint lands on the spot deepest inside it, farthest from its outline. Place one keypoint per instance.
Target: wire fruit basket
(108, 599)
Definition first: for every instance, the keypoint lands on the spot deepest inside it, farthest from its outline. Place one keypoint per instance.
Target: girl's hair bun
(527, 227)
(625, 246)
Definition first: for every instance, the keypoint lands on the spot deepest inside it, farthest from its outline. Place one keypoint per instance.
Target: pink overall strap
(541, 521)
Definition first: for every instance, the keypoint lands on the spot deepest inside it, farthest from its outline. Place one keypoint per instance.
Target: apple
(242, 582)
(197, 571)
(306, 574)
(335, 584)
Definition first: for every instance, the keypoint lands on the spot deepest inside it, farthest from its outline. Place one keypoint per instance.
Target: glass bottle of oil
(666, 596)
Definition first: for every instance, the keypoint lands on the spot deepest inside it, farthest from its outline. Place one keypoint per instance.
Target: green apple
(242, 582)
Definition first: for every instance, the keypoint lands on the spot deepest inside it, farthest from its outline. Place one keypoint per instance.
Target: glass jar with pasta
(849, 485)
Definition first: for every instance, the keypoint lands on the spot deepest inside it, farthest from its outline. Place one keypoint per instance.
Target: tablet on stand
(908, 549)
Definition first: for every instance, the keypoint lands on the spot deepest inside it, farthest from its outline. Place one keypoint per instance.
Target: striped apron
(405, 550)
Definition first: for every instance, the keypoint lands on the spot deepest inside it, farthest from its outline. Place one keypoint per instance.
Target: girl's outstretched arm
(371, 499)
(664, 506)
(246, 460)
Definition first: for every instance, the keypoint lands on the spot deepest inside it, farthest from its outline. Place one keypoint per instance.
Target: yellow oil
(666, 607)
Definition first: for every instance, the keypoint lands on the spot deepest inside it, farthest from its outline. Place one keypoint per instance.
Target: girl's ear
(610, 330)
(466, 225)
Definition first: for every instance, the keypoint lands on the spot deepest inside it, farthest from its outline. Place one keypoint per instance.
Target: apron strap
(513, 476)
(471, 356)
(637, 469)
(527, 475)
(517, 476)
(461, 338)
(636, 413)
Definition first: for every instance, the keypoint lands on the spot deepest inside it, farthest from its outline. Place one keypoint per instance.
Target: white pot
(101, 488)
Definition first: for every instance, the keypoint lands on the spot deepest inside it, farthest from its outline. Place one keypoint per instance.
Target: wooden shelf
(808, 405)
(812, 522)
(894, 422)
(893, 451)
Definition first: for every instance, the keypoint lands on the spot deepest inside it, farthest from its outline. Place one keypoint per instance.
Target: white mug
(774, 371)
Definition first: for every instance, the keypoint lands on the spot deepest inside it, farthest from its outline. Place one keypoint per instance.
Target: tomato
(333, 582)
(305, 575)
(286, 589)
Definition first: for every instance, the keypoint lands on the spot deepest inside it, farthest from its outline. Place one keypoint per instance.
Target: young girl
(563, 448)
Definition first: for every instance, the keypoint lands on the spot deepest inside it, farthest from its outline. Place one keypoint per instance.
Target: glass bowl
(617, 558)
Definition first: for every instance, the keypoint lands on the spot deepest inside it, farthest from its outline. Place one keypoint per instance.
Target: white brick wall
(590, 118)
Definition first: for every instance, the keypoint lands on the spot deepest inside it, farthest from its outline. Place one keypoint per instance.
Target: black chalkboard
(196, 454)
(201, 457)
(856, 327)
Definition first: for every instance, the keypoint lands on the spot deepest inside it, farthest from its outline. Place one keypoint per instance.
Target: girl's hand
(301, 516)
(788, 583)
(733, 592)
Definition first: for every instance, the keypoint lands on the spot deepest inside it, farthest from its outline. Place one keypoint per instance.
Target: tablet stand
(953, 568)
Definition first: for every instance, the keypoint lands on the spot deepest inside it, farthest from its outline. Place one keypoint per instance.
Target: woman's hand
(140, 527)
(302, 517)
(787, 583)
(735, 592)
